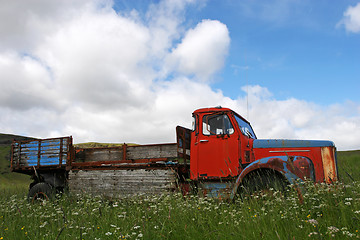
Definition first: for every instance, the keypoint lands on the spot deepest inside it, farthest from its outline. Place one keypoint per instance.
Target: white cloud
(100, 75)
(164, 21)
(298, 119)
(351, 19)
(203, 49)
(95, 58)
(25, 83)
(24, 23)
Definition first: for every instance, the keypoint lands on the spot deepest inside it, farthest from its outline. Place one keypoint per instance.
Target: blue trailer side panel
(41, 153)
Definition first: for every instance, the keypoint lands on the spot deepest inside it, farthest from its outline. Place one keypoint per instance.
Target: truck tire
(263, 181)
(41, 191)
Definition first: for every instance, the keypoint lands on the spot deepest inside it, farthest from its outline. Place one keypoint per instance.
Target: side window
(195, 123)
(218, 124)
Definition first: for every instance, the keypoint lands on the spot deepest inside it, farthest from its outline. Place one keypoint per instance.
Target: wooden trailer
(55, 164)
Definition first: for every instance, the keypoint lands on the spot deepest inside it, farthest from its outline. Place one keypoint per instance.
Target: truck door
(218, 147)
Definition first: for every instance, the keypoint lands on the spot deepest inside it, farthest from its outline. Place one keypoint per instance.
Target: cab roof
(213, 109)
(218, 109)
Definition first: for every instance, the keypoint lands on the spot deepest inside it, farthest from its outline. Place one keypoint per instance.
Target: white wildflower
(43, 225)
(313, 221)
(333, 229)
(349, 234)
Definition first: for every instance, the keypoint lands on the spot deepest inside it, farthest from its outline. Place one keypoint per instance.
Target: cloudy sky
(130, 71)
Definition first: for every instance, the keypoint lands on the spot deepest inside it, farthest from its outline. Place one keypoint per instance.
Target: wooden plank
(152, 151)
(164, 152)
(99, 154)
(122, 183)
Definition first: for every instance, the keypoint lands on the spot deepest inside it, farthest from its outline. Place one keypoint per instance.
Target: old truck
(219, 157)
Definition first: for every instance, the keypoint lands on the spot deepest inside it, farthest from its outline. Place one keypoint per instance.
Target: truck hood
(285, 143)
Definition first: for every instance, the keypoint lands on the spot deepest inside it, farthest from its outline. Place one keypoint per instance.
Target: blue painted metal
(281, 143)
(282, 164)
(38, 153)
(264, 163)
(216, 189)
(291, 177)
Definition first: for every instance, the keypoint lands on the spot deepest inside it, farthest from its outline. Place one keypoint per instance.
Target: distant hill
(353, 153)
(349, 165)
(100, 145)
(7, 139)
(6, 176)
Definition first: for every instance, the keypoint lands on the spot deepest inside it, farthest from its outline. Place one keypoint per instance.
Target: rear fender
(292, 168)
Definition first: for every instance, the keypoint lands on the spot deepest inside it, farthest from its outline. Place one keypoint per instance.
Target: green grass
(7, 178)
(10, 179)
(349, 165)
(328, 212)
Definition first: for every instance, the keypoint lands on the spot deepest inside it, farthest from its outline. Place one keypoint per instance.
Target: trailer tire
(41, 191)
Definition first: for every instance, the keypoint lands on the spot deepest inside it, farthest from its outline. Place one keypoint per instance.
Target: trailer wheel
(41, 191)
(264, 181)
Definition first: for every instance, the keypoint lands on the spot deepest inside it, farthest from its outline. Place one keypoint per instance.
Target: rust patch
(329, 166)
(275, 163)
(303, 168)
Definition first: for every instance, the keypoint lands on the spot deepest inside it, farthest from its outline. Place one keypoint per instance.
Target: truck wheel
(41, 191)
(264, 181)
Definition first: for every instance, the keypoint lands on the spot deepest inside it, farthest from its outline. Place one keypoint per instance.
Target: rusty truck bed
(59, 153)
(125, 157)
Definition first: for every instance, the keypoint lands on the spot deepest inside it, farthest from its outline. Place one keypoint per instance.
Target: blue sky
(294, 48)
(300, 53)
(310, 59)
(131, 71)
(297, 53)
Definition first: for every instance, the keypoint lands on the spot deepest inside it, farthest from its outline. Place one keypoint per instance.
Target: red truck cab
(224, 147)
(219, 147)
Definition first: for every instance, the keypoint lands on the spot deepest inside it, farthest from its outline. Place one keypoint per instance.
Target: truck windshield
(245, 128)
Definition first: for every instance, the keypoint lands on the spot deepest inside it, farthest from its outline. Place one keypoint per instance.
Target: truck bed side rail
(41, 154)
(125, 156)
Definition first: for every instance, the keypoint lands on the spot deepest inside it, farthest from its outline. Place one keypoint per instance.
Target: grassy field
(349, 166)
(326, 212)
(7, 178)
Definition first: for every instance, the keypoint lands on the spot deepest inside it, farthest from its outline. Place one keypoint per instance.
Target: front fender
(291, 167)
